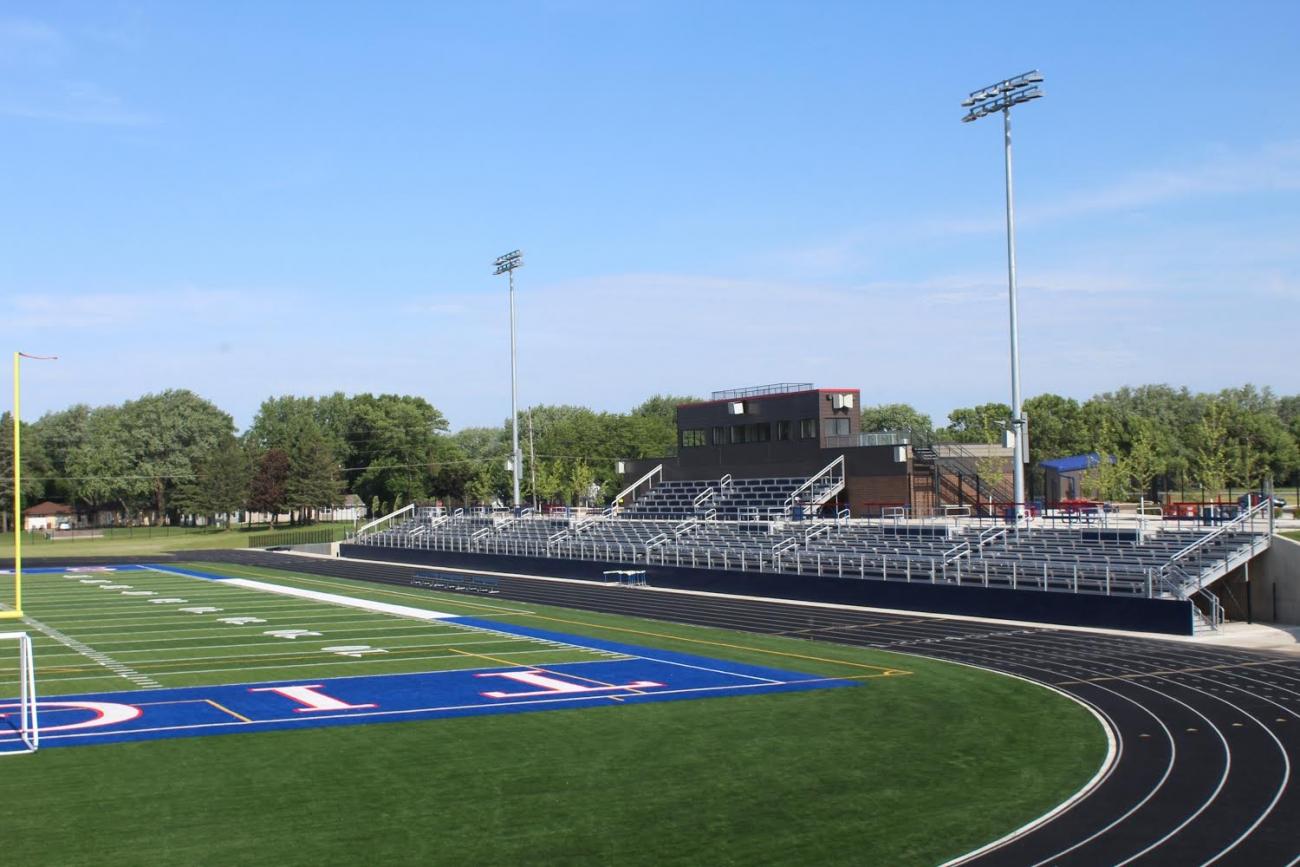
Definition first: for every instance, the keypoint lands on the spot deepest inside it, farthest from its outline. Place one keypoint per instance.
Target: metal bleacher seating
(670, 526)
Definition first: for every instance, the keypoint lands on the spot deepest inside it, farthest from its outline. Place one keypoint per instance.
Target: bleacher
(1125, 561)
(727, 499)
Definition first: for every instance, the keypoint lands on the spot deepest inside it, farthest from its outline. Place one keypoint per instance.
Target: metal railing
(875, 438)
(820, 487)
(1189, 563)
(386, 519)
(630, 489)
(757, 390)
(787, 557)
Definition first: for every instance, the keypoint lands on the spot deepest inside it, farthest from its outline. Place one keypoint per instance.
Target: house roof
(1074, 463)
(352, 500)
(47, 508)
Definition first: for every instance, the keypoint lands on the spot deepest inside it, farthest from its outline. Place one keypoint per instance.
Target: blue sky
(250, 199)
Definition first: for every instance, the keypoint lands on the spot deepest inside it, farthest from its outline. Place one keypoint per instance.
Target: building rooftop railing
(756, 390)
(875, 438)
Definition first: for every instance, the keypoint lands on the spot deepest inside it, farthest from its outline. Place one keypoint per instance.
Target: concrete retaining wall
(1274, 583)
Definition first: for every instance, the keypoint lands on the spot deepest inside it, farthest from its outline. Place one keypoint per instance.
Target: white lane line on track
(93, 655)
(1124, 665)
(1046, 818)
(1227, 676)
(1286, 760)
(1114, 749)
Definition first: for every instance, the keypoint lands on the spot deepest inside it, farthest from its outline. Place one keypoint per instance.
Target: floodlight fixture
(509, 262)
(989, 100)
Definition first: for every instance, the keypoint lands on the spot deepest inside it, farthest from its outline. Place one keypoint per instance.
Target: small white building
(48, 516)
(351, 509)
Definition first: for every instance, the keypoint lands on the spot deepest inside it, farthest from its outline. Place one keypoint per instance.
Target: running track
(1208, 740)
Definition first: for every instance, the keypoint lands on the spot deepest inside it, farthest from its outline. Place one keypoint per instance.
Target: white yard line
(94, 655)
(329, 598)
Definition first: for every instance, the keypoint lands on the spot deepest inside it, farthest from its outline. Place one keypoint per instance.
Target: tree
(895, 417)
(1055, 427)
(34, 468)
(394, 442)
(1210, 458)
(1142, 462)
(313, 480)
(60, 434)
(101, 469)
(221, 481)
(651, 428)
(580, 480)
(267, 490)
(167, 433)
(979, 424)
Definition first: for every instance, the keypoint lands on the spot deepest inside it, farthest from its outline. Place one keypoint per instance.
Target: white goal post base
(23, 724)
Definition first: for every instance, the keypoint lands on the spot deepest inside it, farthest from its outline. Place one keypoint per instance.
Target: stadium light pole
(506, 265)
(18, 481)
(981, 103)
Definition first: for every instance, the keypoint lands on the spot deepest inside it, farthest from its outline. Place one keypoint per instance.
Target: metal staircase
(819, 488)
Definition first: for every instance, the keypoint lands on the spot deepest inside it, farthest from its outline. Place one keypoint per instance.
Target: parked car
(65, 525)
(1245, 501)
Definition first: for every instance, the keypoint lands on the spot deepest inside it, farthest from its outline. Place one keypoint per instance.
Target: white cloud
(25, 43)
(40, 87)
(46, 309)
(72, 102)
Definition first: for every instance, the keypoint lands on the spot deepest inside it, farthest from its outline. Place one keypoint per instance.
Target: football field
(230, 713)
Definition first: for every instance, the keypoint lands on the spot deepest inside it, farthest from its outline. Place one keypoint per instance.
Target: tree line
(1156, 437)
(174, 453)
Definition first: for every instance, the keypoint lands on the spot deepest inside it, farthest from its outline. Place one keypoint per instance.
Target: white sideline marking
(336, 599)
(94, 655)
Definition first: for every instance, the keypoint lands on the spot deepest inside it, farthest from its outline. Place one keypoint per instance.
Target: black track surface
(1207, 739)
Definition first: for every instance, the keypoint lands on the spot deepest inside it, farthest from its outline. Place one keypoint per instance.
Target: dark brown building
(795, 430)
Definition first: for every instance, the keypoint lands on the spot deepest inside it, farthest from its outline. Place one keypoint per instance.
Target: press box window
(750, 433)
(783, 430)
(808, 428)
(837, 427)
(694, 437)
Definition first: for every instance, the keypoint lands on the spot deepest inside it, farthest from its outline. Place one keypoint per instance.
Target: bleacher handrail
(657, 471)
(702, 497)
(991, 535)
(784, 545)
(389, 517)
(685, 527)
(1237, 523)
(956, 552)
(828, 472)
(818, 528)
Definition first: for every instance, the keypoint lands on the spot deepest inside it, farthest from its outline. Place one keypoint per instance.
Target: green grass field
(909, 769)
(143, 541)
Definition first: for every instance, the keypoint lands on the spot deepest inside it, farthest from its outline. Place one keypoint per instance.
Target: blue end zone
(653, 676)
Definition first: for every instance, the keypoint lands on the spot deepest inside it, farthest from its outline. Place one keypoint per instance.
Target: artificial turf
(907, 769)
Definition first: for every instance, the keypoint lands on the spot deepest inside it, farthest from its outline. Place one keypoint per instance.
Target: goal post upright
(28, 727)
(17, 611)
(18, 496)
